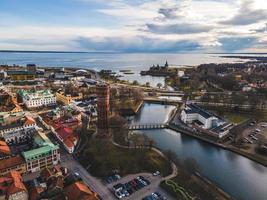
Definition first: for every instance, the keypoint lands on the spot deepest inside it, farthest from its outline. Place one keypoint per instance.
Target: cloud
(136, 44)
(179, 28)
(261, 29)
(246, 15)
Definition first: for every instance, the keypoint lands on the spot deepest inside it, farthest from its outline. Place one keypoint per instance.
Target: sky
(156, 26)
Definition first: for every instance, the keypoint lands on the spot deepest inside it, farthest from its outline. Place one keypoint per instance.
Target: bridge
(147, 126)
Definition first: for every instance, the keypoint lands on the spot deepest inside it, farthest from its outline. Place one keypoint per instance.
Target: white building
(215, 126)
(194, 113)
(19, 130)
(39, 98)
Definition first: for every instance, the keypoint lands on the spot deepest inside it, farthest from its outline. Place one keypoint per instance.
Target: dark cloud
(181, 28)
(260, 30)
(168, 13)
(246, 15)
(232, 44)
(136, 44)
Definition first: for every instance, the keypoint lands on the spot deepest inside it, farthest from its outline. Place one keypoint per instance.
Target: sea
(116, 61)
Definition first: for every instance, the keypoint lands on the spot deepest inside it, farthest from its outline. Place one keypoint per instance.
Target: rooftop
(192, 108)
(11, 162)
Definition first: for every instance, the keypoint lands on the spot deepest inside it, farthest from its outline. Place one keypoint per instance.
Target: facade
(102, 90)
(12, 187)
(21, 75)
(12, 163)
(45, 154)
(66, 99)
(194, 113)
(39, 98)
(18, 129)
(205, 121)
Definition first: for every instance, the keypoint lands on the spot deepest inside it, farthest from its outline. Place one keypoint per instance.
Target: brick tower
(102, 90)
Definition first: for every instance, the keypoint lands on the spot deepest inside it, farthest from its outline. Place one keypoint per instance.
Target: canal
(240, 177)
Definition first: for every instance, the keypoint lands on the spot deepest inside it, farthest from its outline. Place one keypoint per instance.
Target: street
(95, 184)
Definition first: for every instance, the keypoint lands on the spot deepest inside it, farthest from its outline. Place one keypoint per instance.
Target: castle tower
(102, 90)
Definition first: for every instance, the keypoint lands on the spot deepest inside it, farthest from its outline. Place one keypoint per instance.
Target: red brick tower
(102, 90)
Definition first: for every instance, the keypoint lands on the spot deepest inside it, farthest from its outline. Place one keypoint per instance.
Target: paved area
(147, 190)
(95, 184)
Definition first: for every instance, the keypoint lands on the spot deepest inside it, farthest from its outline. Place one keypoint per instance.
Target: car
(157, 173)
(154, 195)
(264, 125)
(126, 193)
(119, 194)
(257, 130)
(77, 174)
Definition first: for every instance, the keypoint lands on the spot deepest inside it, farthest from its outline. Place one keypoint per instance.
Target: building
(17, 130)
(205, 121)
(37, 98)
(67, 138)
(4, 150)
(12, 187)
(79, 190)
(44, 154)
(21, 75)
(66, 99)
(31, 68)
(12, 163)
(193, 113)
(8, 102)
(102, 90)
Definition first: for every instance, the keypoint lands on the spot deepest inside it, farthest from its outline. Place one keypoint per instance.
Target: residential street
(95, 184)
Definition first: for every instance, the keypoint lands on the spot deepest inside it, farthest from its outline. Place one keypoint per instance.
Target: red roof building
(79, 190)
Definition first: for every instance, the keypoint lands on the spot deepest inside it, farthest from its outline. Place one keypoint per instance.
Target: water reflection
(237, 175)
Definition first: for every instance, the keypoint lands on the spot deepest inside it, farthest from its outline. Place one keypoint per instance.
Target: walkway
(147, 126)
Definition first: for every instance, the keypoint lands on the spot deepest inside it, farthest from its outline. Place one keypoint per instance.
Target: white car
(156, 173)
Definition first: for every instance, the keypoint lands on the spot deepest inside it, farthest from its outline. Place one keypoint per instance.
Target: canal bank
(235, 174)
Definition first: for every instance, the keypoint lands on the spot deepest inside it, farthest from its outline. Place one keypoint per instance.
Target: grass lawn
(186, 187)
(236, 117)
(103, 157)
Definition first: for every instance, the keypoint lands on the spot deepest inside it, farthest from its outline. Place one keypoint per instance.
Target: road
(95, 184)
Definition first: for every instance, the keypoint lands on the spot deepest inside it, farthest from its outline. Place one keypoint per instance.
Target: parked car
(157, 173)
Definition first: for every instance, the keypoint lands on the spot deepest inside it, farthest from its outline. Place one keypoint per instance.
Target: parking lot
(254, 133)
(138, 186)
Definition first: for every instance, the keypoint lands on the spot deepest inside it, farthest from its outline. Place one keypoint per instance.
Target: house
(4, 149)
(79, 190)
(18, 130)
(12, 187)
(66, 99)
(67, 138)
(12, 163)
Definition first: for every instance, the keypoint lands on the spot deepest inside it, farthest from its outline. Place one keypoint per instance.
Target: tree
(147, 84)
(159, 85)
(135, 82)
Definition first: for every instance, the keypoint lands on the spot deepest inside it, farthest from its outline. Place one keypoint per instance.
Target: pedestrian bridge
(146, 126)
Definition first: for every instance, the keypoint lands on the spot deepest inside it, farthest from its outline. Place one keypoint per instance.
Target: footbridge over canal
(147, 126)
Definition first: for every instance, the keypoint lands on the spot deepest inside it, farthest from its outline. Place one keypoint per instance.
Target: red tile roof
(11, 162)
(4, 148)
(17, 185)
(64, 132)
(79, 190)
